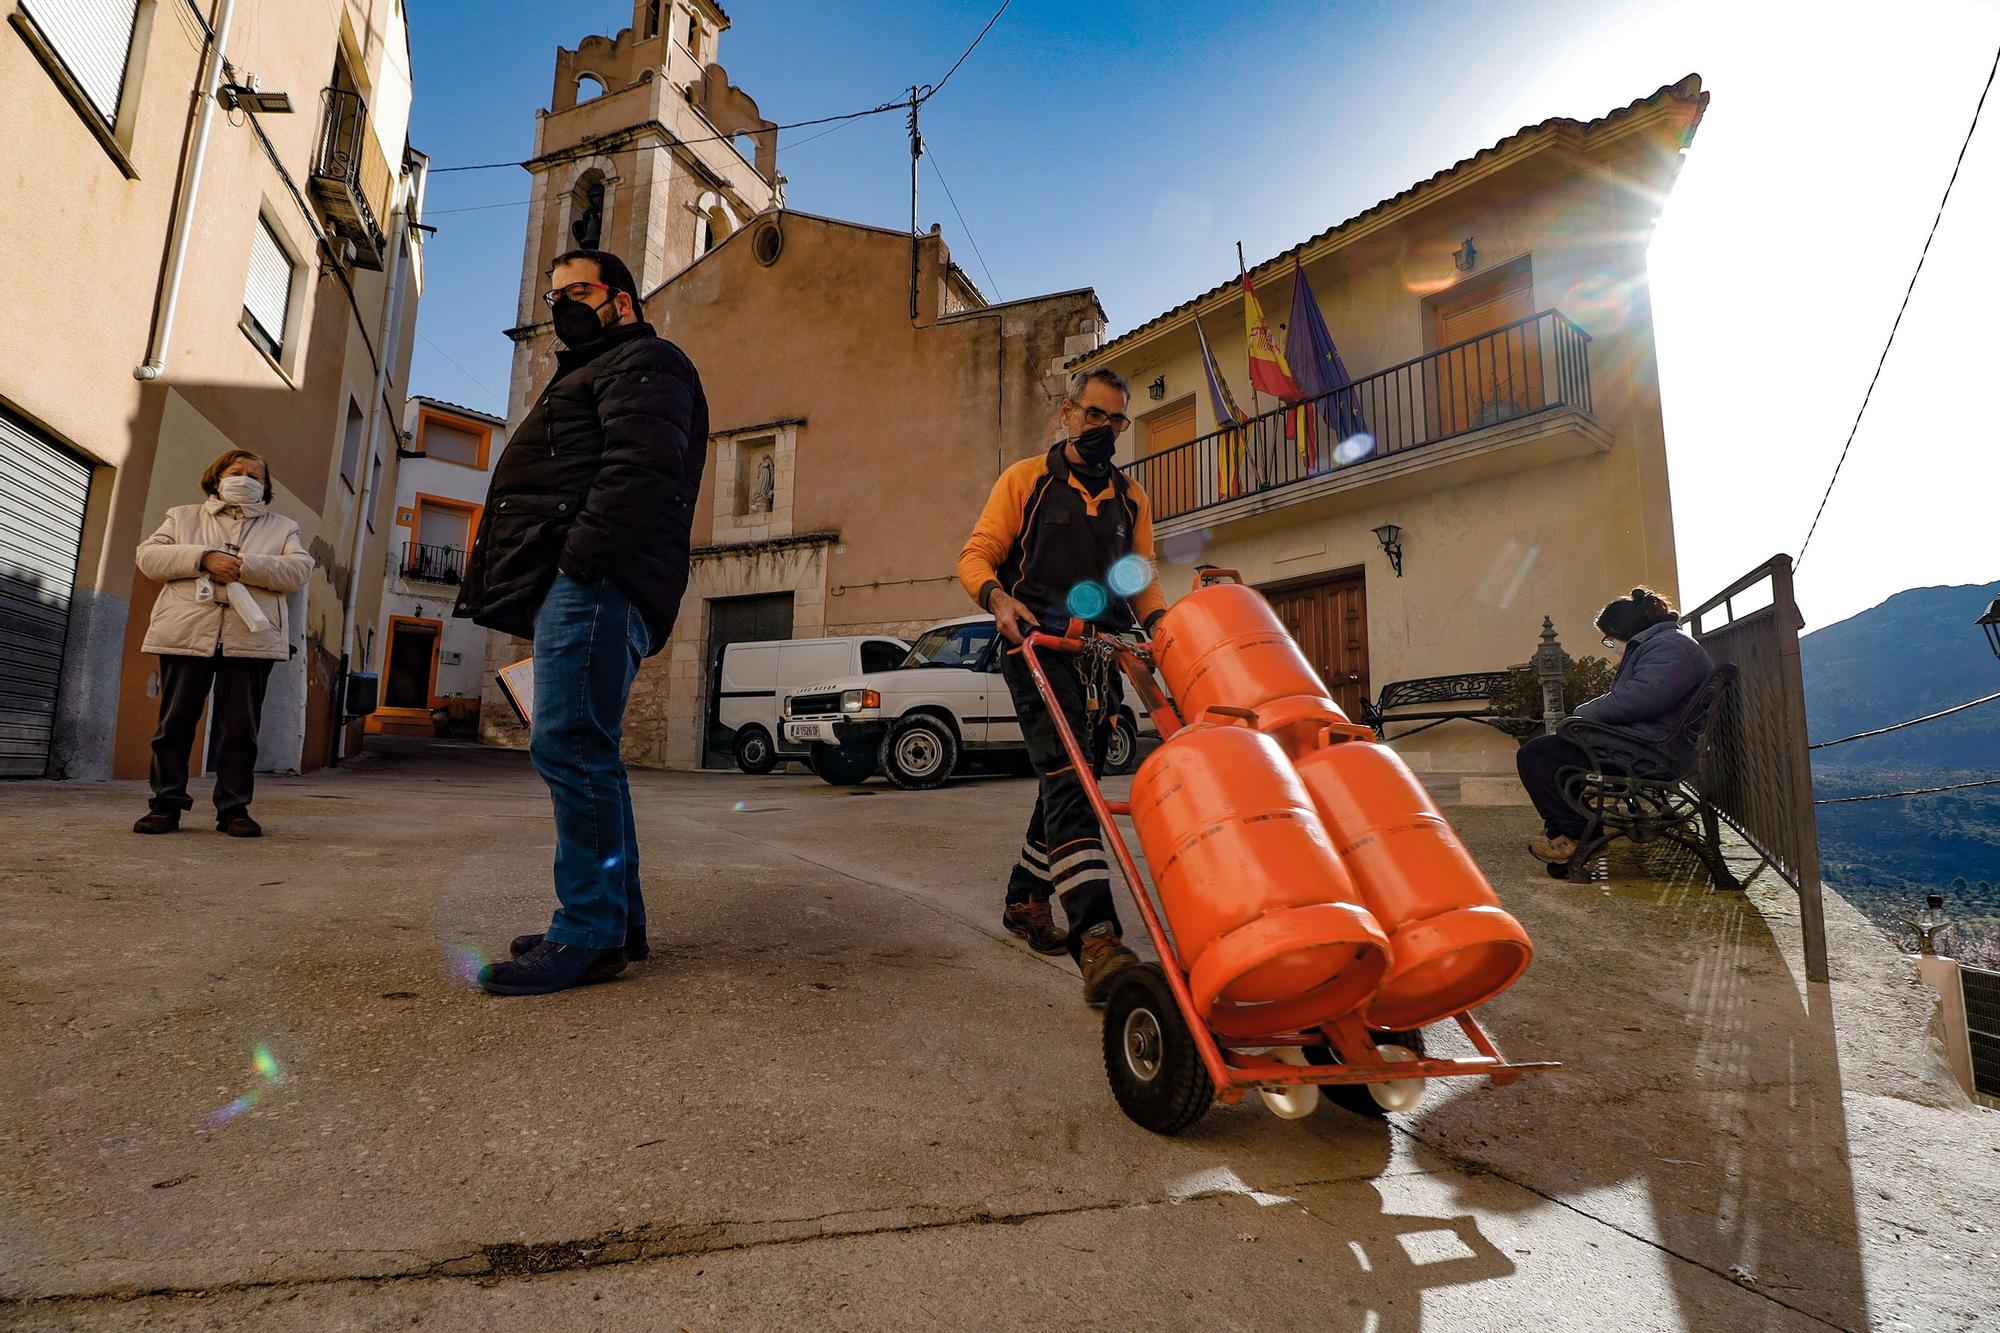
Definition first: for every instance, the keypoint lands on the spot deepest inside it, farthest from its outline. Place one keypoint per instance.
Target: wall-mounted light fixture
(234, 95)
(1391, 538)
(1465, 257)
(1990, 622)
(1157, 389)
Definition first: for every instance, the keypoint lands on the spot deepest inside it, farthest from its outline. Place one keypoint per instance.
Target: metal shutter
(94, 39)
(42, 497)
(268, 292)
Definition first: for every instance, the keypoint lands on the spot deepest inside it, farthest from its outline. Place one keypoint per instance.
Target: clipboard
(517, 683)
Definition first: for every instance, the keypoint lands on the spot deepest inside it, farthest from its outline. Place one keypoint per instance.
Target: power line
(992, 286)
(1928, 717)
(1919, 791)
(461, 369)
(937, 88)
(1883, 359)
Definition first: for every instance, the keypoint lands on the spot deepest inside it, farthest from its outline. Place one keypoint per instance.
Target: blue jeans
(589, 641)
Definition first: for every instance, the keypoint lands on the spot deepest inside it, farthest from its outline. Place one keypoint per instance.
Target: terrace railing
(434, 564)
(1534, 365)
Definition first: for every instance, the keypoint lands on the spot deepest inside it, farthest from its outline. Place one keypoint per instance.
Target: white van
(756, 677)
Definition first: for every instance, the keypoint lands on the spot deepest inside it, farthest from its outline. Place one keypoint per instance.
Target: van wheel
(754, 752)
(841, 765)
(919, 753)
(1121, 747)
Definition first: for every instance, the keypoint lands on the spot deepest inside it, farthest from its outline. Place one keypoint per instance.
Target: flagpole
(1256, 403)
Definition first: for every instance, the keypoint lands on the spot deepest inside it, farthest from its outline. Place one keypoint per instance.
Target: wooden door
(1487, 379)
(1329, 618)
(1169, 480)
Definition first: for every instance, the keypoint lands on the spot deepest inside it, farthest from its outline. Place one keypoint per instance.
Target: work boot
(239, 825)
(158, 821)
(1555, 850)
(636, 948)
(550, 967)
(1104, 957)
(1036, 924)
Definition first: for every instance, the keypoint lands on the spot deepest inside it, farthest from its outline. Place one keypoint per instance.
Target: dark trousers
(1540, 763)
(239, 706)
(1063, 852)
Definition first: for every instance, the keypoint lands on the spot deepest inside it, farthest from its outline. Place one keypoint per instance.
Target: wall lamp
(1990, 622)
(1157, 389)
(1465, 257)
(1391, 538)
(236, 95)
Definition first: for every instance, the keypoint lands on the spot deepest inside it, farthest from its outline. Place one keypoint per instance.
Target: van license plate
(801, 733)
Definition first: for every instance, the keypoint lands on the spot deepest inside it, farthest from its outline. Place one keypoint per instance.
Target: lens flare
(222, 1115)
(1088, 601)
(266, 1065)
(466, 962)
(1354, 448)
(1600, 304)
(740, 807)
(1509, 572)
(1129, 577)
(1184, 548)
(263, 1062)
(611, 861)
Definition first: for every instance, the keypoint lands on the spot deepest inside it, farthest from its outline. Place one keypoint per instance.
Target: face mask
(1095, 447)
(240, 490)
(579, 324)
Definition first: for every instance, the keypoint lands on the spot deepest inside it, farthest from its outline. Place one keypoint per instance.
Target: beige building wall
(86, 249)
(1516, 521)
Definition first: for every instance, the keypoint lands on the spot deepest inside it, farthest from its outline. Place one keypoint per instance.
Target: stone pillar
(1550, 659)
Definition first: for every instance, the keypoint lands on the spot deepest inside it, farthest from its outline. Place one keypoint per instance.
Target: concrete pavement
(248, 1083)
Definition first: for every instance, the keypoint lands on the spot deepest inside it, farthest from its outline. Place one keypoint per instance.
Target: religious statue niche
(588, 229)
(759, 486)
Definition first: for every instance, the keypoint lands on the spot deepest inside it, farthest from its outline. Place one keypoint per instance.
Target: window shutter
(94, 39)
(268, 293)
(450, 442)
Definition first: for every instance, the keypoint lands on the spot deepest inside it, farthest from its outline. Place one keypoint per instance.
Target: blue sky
(1129, 145)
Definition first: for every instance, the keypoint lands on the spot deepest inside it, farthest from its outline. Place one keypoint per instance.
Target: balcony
(433, 564)
(1514, 398)
(350, 176)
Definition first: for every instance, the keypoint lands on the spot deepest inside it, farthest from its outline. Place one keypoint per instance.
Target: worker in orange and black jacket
(1067, 535)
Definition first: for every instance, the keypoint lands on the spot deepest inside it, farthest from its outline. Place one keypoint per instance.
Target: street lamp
(1391, 538)
(1990, 622)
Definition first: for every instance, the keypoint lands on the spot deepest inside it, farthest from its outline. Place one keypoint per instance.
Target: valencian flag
(1229, 448)
(1270, 373)
(1315, 365)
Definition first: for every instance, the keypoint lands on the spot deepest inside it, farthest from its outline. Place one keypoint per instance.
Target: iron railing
(351, 176)
(434, 564)
(1757, 772)
(1538, 364)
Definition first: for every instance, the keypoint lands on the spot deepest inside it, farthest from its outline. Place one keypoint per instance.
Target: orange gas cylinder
(1223, 644)
(1265, 919)
(1453, 946)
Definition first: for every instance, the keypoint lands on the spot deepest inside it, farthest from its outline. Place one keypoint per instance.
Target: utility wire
(1919, 791)
(461, 369)
(938, 87)
(1883, 359)
(991, 285)
(1928, 717)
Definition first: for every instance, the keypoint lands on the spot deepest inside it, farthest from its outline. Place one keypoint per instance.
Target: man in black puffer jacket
(584, 549)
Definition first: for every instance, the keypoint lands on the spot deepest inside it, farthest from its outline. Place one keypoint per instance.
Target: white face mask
(240, 490)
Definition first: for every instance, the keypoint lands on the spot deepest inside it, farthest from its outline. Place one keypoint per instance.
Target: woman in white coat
(224, 567)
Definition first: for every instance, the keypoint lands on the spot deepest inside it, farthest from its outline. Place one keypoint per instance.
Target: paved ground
(840, 1096)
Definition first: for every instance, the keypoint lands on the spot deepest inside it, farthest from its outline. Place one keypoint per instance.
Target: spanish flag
(1268, 370)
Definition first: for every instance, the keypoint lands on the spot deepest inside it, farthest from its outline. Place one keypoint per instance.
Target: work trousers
(1540, 763)
(239, 707)
(1063, 852)
(589, 642)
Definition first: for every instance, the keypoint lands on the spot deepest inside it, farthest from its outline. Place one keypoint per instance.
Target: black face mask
(578, 323)
(1095, 447)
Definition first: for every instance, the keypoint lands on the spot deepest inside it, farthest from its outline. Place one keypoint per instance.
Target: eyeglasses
(1608, 641)
(1097, 416)
(575, 291)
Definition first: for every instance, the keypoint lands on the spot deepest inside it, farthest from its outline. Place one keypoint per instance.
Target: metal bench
(1430, 699)
(1642, 795)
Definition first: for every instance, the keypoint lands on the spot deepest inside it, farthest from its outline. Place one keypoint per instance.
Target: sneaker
(548, 967)
(1104, 956)
(1554, 850)
(240, 825)
(158, 821)
(1036, 923)
(636, 948)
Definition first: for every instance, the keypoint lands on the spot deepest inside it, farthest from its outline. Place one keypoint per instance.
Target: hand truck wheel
(1156, 1074)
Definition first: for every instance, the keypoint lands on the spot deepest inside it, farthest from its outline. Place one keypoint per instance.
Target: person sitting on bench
(1661, 668)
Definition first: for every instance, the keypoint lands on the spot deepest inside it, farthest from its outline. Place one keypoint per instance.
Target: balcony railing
(433, 564)
(1535, 365)
(350, 175)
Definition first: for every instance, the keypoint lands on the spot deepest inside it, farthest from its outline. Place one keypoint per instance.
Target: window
(588, 201)
(374, 491)
(93, 39)
(267, 294)
(588, 88)
(882, 655)
(350, 445)
(953, 646)
(451, 441)
(448, 527)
